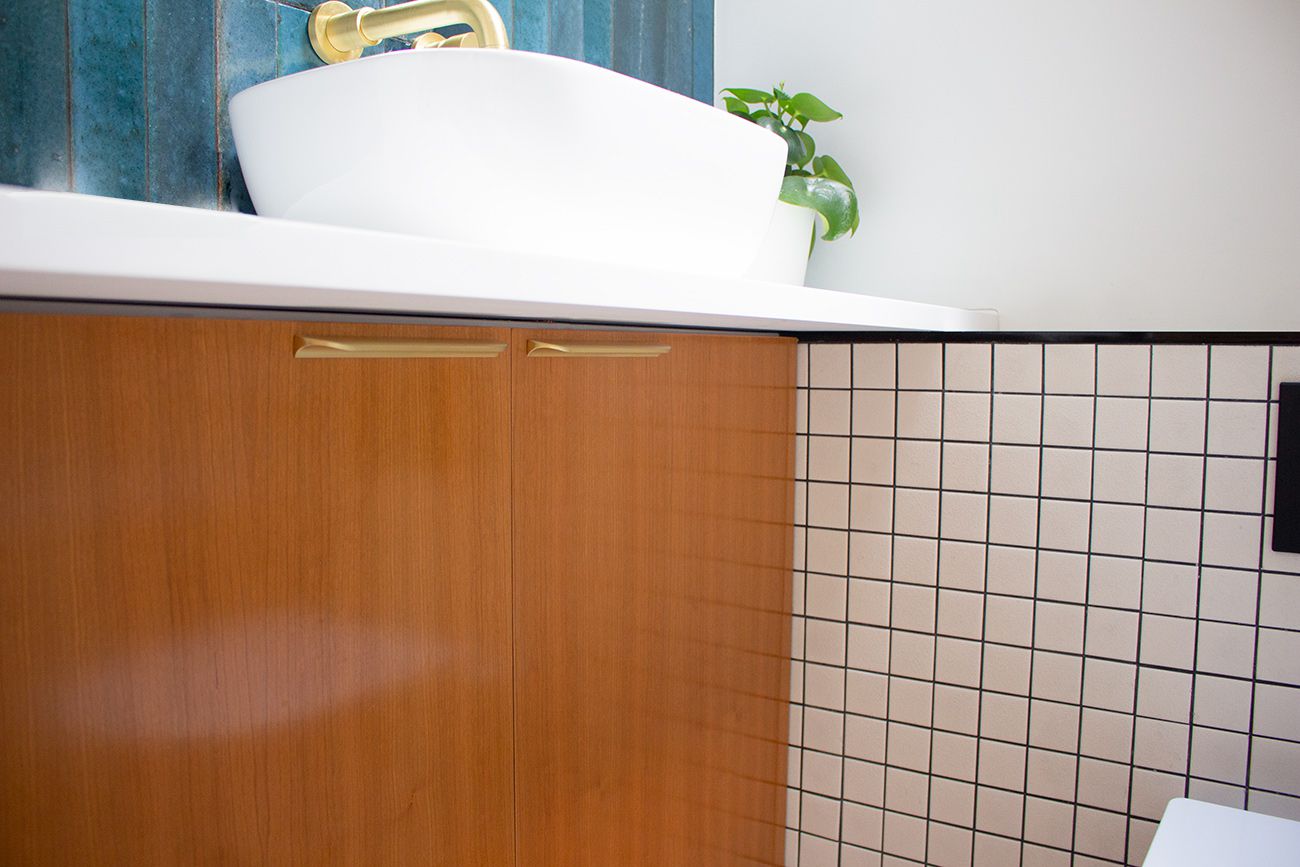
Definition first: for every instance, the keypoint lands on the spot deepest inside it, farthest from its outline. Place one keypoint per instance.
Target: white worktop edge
(74, 247)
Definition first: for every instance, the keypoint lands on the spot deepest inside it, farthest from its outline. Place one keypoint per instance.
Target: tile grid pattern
(1035, 600)
(130, 99)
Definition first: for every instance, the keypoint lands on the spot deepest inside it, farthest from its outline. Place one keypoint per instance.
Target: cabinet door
(256, 607)
(652, 508)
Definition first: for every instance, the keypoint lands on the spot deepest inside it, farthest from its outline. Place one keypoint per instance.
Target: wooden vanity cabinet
(257, 608)
(508, 610)
(652, 501)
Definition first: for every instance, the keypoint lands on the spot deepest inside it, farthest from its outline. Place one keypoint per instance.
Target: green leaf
(736, 106)
(813, 108)
(826, 167)
(836, 203)
(809, 147)
(796, 155)
(782, 100)
(749, 95)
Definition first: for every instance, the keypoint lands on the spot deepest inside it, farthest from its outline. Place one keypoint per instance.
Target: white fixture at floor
(1197, 834)
(515, 151)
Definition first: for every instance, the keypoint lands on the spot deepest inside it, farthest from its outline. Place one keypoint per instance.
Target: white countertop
(86, 248)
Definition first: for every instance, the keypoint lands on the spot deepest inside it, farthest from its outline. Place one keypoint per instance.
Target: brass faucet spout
(338, 32)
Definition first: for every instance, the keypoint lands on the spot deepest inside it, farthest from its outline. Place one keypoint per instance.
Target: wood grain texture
(652, 509)
(256, 609)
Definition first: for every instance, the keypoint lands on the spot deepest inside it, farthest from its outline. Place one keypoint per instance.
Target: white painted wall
(1077, 164)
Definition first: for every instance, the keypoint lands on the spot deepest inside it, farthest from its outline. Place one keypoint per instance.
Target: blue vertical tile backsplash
(180, 101)
(106, 42)
(35, 128)
(127, 98)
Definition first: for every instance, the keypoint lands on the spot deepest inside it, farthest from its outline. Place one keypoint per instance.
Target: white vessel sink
(511, 150)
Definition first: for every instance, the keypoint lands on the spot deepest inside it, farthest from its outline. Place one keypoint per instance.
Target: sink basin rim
(721, 191)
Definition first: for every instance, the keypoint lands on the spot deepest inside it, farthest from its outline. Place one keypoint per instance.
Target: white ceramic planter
(783, 258)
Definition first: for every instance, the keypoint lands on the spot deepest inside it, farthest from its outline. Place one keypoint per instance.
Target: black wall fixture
(1286, 496)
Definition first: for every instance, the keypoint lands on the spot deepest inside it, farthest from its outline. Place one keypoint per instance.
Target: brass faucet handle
(326, 24)
(338, 32)
(433, 39)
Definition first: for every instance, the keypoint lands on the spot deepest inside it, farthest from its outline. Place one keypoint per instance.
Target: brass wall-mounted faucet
(338, 32)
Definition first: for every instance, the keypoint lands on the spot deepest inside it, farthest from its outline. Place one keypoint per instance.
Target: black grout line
(1033, 611)
(1021, 547)
(934, 657)
(1254, 669)
(889, 652)
(1146, 485)
(1045, 395)
(1051, 498)
(844, 712)
(1053, 799)
(803, 661)
(1200, 578)
(1071, 603)
(1029, 445)
(1065, 653)
(983, 645)
(1042, 701)
(1087, 592)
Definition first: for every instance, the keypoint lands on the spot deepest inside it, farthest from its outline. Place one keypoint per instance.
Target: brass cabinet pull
(392, 347)
(542, 349)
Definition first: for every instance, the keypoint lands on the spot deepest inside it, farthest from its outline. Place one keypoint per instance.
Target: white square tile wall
(1035, 600)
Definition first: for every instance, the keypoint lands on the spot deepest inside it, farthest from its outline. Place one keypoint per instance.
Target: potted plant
(814, 186)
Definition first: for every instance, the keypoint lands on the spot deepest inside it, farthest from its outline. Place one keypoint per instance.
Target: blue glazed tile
(678, 56)
(246, 55)
(108, 136)
(638, 27)
(532, 25)
(566, 38)
(34, 132)
(654, 30)
(596, 42)
(702, 42)
(293, 51)
(181, 131)
(625, 36)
